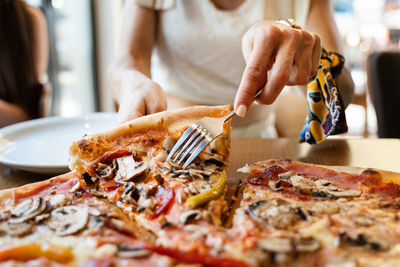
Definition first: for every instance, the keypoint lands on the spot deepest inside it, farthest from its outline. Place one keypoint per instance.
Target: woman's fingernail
(241, 111)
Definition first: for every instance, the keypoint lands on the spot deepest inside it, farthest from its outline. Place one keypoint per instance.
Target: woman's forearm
(11, 113)
(136, 45)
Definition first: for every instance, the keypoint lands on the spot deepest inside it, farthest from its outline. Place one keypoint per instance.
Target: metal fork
(202, 131)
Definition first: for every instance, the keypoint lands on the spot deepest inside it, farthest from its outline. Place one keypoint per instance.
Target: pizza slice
(183, 208)
(297, 214)
(57, 222)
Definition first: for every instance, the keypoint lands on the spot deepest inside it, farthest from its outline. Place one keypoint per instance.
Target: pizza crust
(92, 146)
(387, 176)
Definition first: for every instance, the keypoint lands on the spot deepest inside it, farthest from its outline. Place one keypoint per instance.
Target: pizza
(126, 169)
(123, 204)
(297, 214)
(57, 222)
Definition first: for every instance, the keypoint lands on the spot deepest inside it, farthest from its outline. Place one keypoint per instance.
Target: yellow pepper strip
(215, 192)
(33, 251)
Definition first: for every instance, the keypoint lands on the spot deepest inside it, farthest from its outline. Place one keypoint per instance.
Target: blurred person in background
(23, 62)
(200, 46)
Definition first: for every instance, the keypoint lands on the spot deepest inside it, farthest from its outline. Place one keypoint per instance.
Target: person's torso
(199, 46)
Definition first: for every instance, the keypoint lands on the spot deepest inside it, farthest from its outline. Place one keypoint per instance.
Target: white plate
(42, 145)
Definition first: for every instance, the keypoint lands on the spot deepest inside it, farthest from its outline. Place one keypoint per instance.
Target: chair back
(384, 83)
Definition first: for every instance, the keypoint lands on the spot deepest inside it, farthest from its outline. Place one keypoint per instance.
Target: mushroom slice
(188, 216)
(277, 212)
(130, 194)
(325, 185)
(106, 250)
(307, 245)
(18, 229)
(212, 157)
(305, 185)
(105, 171)
(260, 209)
(325, 207)
(276, 244)
(27, 209)
(42, 217)
(345, 193)
(285, 175)
(169, 143)
(216, 161)
(275, 185)
(94, 212)
(195, 174)
(68, 220)
(76, 187)
(58, 200)
(129, 169)
(133, 253)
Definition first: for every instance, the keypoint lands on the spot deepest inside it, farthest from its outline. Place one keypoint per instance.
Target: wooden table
(375, 153)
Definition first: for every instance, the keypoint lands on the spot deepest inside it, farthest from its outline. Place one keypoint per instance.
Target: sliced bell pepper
(215, 192)
(33, 251)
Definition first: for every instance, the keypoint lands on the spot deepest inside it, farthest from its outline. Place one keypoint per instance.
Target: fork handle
(232, 113)
(229, 115)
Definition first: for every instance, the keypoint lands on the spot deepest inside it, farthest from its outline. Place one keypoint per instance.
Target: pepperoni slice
(270, 173)
(165, 196)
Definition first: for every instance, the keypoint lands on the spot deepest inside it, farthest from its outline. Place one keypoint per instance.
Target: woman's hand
(140, 96)
(293, 54)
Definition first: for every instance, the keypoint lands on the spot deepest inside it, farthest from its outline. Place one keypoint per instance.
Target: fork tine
(193, 145)
(181, 140)
(187, 143)
(200, 148)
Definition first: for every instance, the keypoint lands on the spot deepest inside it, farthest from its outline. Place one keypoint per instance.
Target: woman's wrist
(125, 81)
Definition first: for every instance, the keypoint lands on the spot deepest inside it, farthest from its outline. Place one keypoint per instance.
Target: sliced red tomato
(192, 257)
(165, 196)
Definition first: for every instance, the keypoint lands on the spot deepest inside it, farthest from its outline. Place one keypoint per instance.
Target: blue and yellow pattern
(325, 106)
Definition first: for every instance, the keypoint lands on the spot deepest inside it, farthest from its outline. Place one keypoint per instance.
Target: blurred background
(84, 38)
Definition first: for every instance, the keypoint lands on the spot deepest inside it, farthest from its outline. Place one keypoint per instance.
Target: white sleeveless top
(199, 45)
